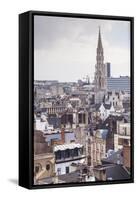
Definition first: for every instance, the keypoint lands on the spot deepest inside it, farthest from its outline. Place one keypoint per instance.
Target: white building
(96, 147)
(41, 124)
(65, 155)
(105, 110)
(115, 98)
(123, 135)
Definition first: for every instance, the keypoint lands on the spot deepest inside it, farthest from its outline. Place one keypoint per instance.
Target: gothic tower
(100, 72)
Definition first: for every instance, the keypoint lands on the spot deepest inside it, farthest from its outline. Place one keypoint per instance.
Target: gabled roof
(67, 146)
(106, 106)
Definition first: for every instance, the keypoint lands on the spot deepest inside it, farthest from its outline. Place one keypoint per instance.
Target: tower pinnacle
(99, 47)
(100, 56)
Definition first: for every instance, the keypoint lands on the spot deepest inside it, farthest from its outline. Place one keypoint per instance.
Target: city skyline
(73, 42)
(81, 130)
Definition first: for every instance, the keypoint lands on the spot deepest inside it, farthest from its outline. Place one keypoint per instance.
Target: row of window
(69, 118)
(38, 168)
(68, 153)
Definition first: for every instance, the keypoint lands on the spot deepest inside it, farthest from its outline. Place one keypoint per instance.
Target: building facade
(96, 147)
(67, 154)
(44, 166)
(121, 83)
(122, 137)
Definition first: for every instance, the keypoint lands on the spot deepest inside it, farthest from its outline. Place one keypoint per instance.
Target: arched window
(48, 167)
(38, 168)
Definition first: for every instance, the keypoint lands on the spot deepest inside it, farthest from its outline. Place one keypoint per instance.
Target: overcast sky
(65, 48)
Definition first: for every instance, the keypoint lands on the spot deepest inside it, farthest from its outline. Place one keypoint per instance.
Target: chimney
(63, 135)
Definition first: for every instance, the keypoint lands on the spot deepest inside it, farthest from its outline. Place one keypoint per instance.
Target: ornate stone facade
(100, 73)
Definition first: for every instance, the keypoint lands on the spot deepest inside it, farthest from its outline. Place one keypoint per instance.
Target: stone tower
(100, 72)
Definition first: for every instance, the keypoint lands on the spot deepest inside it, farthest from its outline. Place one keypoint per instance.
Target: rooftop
(115, 158)
(67, 146)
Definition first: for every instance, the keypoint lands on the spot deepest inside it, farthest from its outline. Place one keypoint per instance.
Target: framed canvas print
(76, 99)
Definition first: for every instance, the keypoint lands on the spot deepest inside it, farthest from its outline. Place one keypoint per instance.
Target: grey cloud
(50, 30)
(70, 42)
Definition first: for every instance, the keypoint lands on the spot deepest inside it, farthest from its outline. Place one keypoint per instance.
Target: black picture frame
(26, 96)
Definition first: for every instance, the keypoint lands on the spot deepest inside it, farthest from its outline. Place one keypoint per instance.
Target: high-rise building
(100, 72)
(121, 83)
(108, 69)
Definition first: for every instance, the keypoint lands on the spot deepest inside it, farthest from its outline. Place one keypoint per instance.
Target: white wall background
(9, 10)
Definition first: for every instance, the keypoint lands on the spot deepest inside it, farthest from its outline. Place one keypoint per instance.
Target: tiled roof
(67, 146)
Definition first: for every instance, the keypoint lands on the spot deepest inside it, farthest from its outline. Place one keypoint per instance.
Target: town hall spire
(99, 47)
(100, 56)
(100, 72)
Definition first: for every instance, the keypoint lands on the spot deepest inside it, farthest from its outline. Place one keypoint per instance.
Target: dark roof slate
(117, 172)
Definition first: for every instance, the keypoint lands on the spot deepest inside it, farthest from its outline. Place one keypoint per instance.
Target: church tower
(100, 72)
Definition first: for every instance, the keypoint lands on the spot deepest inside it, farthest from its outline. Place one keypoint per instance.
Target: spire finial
(99, 38)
